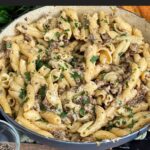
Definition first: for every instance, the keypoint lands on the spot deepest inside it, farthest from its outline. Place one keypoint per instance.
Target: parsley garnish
(76, 24)
(119, 102)
(127, 85)
(82, 112)
(23, 94)
(94, 59)
(65, 19)
(123, 34)
(55, 77)
(57, 34)
(63, 114)
(124, 122)
(75, 75)
(67, 30)
(27, 76)
(8, 45)
(40, 50)
(85, 100)
(39, 63)
(61, 77)
(42, 92)
(63, 68)
(131, 124)
(42, 107)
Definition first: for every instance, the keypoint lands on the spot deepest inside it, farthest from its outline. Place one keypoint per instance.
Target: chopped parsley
(124, 122)
(82, 112)
(22, 94)
(123, 34)
(94, 59)
(127, 85)
(132, 124)
(63, 114)
(103, 75)
(57, 34)
(8, 45)
(63, 67)
(76, 24)
(119, 102)
(110, 126)
(27, 76)
(61, 77)
(39, 63)
(65, 19)
(57, 57)
(55, 77)
(129, 110)
(75, 75)
(67, 30)
(42, 92)
(42, 107)
(40, 50)
(85, 100)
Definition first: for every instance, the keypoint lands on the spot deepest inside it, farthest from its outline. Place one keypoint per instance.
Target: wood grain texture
(26, 146)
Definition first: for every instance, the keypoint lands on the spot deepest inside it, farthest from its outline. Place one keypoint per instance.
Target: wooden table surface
(26, 146)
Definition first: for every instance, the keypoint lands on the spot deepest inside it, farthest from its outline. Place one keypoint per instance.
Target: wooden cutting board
(27, 146)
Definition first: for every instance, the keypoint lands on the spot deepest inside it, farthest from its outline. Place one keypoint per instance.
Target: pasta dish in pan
(76, 77)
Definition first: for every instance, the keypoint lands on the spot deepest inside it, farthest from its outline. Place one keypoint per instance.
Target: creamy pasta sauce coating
(76, 77)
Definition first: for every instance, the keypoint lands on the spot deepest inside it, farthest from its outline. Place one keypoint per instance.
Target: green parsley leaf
(39, 63)
(67, 30)
(27, 76)
(42, 92)
(123, 34)
(63, 67)
(124, 122)
(127, 85)
(85, 100)
(8, 45)
(131, 124)
(75, 75)
(82, 112)
(57, 34)
(65, 19)
(76, 24)
(61, 77)
(42, 107)
(94, 59)
(23, 93)
(40, 50)
(119, 102)
(63, 114)
(55, 77)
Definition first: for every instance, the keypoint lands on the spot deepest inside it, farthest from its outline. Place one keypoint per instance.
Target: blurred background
(9, 13)
(143, 11)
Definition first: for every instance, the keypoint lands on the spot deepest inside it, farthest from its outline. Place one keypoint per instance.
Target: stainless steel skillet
(134, 20)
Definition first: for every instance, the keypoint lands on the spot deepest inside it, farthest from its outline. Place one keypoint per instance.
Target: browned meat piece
(105, 37)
